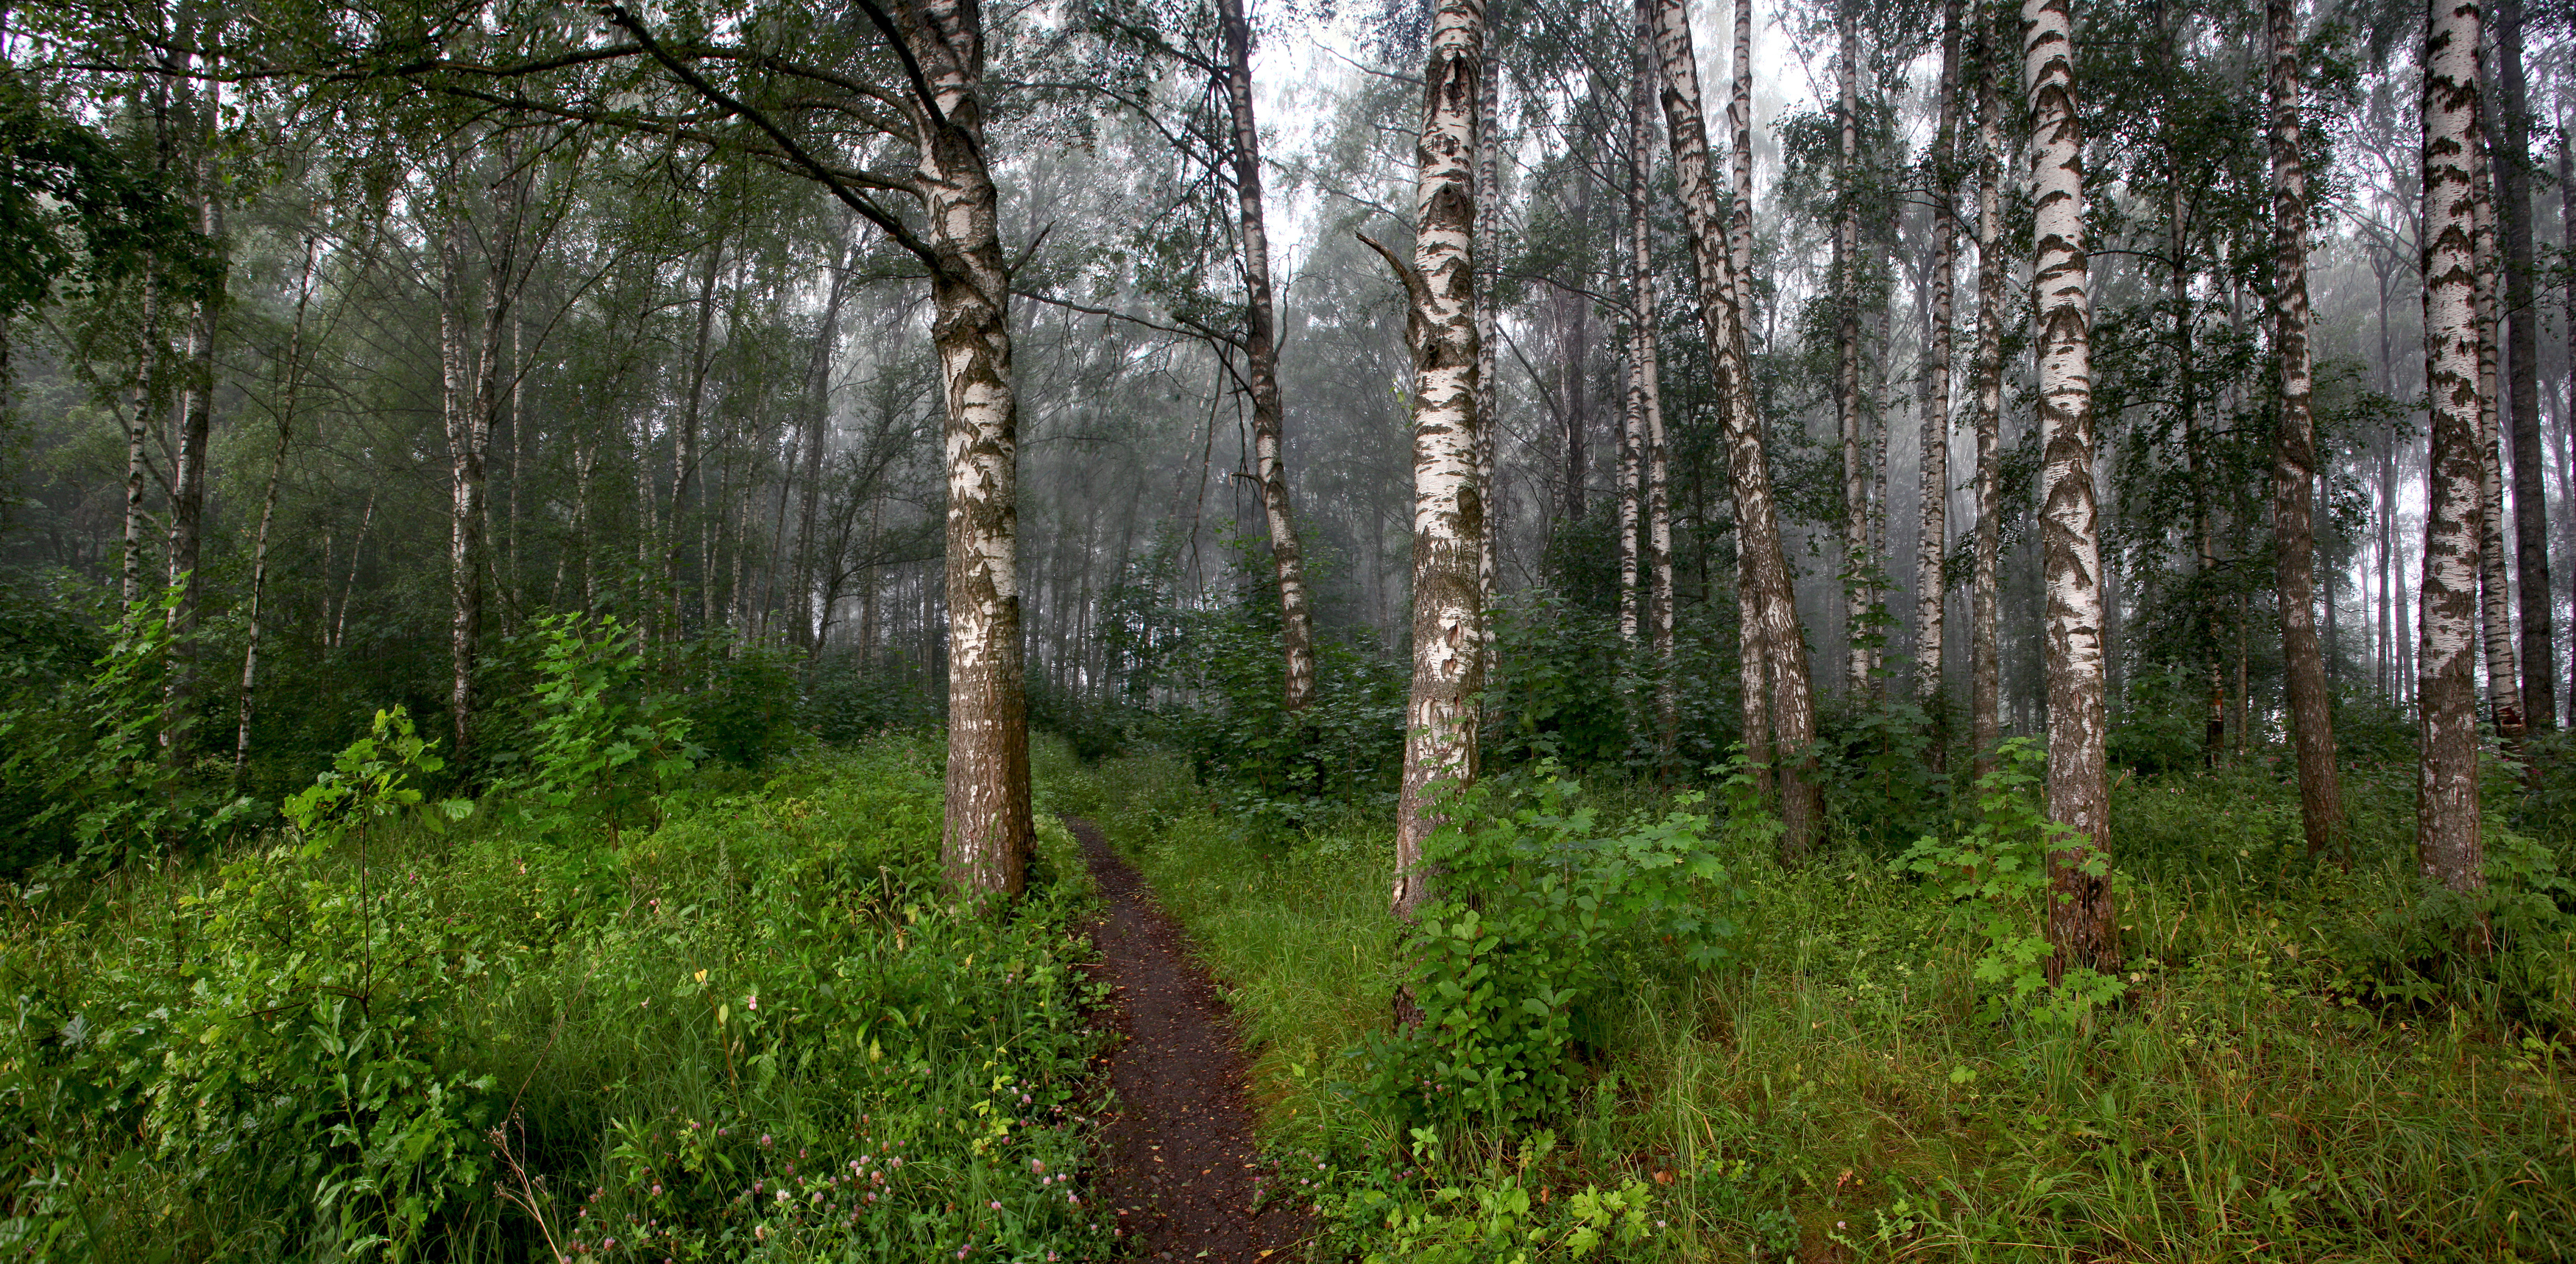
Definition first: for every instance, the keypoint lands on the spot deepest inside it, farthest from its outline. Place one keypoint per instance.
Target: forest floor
(1181, 1166)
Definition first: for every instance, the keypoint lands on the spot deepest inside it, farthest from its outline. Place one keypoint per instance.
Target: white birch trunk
(1792, 713)
(989, 830)
(2447, 846)
(1448, 502)
(2080, 921)
(1931, 553)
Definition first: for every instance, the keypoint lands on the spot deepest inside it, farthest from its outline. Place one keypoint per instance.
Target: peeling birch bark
(1448, 503)
(989, 832)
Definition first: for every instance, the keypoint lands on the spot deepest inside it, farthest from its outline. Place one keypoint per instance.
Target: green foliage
(848, 700)
(604, 747)
(1263, 762)
(88, 762)
(363, 1039)
(1540, 911)
(741, 707)
(1493, 1217)
(1998, 872)
(79, 212)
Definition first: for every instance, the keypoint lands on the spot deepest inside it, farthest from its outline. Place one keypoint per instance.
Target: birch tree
(2081, 926)
(2447, 848)
(1767, 589)
(1448, 503)
(1986, 372)
(1932, 541)
(1261, 369)
(2510, 129)
(2295, 458)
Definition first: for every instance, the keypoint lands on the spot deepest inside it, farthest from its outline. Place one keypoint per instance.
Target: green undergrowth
(2295, 1064)
(756, 1029)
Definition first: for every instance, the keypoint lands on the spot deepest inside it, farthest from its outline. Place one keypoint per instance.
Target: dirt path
(1182, 1174)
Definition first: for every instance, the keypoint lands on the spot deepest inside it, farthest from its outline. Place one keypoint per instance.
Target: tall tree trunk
(818, 436)
(1931, 552)
(1489, 265)
(293, 384)
(1723, 301)
(138, 431)
(1632, 469)
(1986, 371)
(2567, 420)
(2295, 462)
(1448, 506)
(1847, 409)
(2447, 847)
(1654, 474)
(1261, 369)
(2082, 928)
(684, 462)
(1754, 672)
(2495, 599)
(465, 491)
(2522, 371)
(188, 470)
(989, 833)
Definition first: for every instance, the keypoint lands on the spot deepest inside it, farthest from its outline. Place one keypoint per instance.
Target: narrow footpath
(1181, 1173)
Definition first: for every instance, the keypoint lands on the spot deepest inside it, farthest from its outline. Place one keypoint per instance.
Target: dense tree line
(994, 364)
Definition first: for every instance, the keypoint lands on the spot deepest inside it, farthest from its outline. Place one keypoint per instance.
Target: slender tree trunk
(684, 454)
(1754, 654)
(989, 831)
(1847, 409)
(2522, 371)
(1931, 553)
(1448, 506)
(188, 472)
(2195, 457)
(2447, 847)
(1792, 711)
(1261, 369)
(2082, 927)
(138, 431)
(1489, 263)
(1632, 469)
(2567, 420)
(2295, 461)
(1986, 371)
(294, 381)
(818, 436)
(349, 591)
(1655, 474)
(465, 492)
(2495, 598)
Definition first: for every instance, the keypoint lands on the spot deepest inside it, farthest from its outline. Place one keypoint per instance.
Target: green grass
(759, 1031)
(2259, 1094)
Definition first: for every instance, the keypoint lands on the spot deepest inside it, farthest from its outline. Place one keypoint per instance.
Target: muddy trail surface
(1181, 1173)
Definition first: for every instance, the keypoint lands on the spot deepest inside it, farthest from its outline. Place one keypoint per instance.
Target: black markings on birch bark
(1985, 723)
(1932, 536)
(2495, 597)
(2081, 926)
(1766, 586)
(988, 834)
(1448, 502)
(2447, 846)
